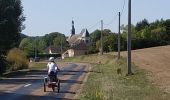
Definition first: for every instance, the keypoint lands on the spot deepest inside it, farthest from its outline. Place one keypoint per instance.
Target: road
(30, 85)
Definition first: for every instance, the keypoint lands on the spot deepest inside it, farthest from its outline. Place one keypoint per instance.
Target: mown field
(107, 80)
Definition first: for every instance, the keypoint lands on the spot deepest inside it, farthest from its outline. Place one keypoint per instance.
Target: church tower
(73, 29)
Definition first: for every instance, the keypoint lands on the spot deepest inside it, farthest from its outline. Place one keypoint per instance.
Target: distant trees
(142, 24)
(40, 43)
(109, 41)
(144, 35)
(61, 41)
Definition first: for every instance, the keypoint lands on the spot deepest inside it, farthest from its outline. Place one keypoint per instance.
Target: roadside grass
(108, 81)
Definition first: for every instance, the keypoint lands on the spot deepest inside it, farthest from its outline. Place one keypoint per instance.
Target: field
(107, 80)
(156, 62)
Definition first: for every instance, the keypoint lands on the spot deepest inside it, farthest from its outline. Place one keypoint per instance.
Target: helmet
(51, 59)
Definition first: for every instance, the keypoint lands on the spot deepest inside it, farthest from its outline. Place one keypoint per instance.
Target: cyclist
(52, 67)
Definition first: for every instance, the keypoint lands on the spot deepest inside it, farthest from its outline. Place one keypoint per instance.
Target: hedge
(46, 55)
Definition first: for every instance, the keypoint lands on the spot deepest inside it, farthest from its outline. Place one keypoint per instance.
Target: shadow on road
(24, 72)
(61, 91)
(18, 81)
(29, 97)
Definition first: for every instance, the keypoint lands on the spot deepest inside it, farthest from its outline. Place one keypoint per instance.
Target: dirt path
(156, 61)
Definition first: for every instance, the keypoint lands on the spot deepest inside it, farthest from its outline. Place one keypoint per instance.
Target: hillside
(156, 61)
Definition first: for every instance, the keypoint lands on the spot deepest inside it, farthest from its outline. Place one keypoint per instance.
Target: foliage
(109, 40)
(3, 65)
(141, 25)
(27, 46)
(95, 36)
(40, 43)
(110, 43)
(11, 19)
(92, 48)
(17, 59)
(49, 38)
(146, 34)
(60, 41)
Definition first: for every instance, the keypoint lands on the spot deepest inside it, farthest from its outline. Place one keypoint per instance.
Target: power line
(122, 11)
(123, 8)
(112, 21)
(92, 26)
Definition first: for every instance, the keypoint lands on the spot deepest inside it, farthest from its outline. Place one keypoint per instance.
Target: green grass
(104, 83)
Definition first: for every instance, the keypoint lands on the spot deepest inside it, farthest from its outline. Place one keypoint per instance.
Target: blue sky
(45, 16)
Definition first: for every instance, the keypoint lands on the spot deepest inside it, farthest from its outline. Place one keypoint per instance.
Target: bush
(17, 59)
(3, 65)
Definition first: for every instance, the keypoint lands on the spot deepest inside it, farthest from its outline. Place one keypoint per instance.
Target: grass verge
(108, 81)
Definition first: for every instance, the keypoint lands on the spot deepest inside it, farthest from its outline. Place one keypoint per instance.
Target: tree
(50, 37)
(141, 25)
(27, 46)
(110, 43)
(95, 36)
(41, 44)
(58, 40)
(11, 19)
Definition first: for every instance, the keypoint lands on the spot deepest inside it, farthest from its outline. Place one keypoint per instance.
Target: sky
(46, 16)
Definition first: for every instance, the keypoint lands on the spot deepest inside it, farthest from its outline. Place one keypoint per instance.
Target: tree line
(144, 35)
(40, 43)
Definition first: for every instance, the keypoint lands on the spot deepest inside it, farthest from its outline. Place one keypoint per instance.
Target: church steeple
(73, 29)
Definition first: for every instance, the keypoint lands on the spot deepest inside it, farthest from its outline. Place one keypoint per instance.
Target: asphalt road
(30, 85)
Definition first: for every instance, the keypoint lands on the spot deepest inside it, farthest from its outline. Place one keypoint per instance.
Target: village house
(52, 50)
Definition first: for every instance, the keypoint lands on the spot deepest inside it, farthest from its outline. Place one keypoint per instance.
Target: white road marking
(27, 85)
(8, 91)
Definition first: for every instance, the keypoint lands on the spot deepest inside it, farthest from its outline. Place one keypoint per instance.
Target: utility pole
(101, 39)
(129, 39)
(119, 39)
(61, 46)
(35, 48)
